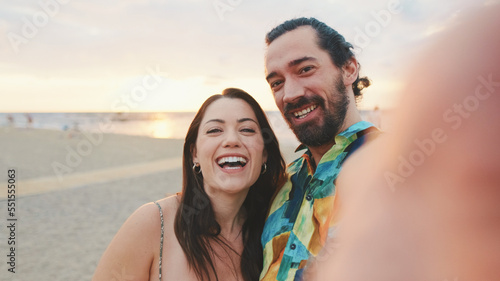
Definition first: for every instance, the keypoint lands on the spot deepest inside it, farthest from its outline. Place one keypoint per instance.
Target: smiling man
(314, 77)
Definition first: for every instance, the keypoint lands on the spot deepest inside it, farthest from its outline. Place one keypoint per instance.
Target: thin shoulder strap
(161, 238)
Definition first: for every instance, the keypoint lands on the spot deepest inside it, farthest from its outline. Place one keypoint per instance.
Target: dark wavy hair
(330, 40)
(195, 222)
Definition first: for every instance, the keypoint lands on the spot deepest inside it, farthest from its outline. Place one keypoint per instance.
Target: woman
(211, 231)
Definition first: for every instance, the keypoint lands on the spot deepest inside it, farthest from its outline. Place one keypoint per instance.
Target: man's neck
(317, 152)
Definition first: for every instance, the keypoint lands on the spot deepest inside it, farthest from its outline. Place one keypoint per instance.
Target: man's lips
(302, 107)
(302, 113)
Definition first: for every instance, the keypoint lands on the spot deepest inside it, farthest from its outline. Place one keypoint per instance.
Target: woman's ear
(264, 156)
(194, 154)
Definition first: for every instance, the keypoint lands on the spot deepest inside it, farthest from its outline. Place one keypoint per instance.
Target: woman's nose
(231, 139)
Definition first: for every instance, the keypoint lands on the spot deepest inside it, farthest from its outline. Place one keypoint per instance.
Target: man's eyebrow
(271, 75)
(291, 64)
(301, 60)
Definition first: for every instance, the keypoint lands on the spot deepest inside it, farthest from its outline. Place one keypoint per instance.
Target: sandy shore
(64, 224)
(66, 220)
(35, 152)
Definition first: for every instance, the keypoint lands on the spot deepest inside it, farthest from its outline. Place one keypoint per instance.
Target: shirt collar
(345, 135)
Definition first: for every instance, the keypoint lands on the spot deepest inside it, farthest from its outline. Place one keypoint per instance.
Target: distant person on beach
(430, 208)
(29, 121)
(314, 77)
(232, 166)
(74, 131)
(10, 120)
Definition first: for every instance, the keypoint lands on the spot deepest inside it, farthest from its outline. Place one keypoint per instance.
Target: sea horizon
(169, 125)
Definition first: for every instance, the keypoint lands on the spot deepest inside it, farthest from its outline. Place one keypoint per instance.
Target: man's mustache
(302, 101)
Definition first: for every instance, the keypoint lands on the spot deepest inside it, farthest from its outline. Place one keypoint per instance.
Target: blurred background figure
(29, 121)
(74, 131)
(10, 120)
(428, 204)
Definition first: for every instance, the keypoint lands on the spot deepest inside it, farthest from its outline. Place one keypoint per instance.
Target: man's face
(308, 88)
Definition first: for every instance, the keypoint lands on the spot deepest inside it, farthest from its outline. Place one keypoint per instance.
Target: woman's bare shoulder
(135, 246)
(169, 206)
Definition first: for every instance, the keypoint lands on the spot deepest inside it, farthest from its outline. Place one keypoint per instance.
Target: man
(315, 81)
(435, 217)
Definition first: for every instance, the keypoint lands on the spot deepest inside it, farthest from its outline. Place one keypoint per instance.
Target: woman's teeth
(232, 162)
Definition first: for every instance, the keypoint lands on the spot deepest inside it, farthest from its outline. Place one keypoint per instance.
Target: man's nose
(292, 91)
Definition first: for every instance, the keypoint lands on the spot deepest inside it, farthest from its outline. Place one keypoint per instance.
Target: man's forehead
(304, 36)
(292, 45)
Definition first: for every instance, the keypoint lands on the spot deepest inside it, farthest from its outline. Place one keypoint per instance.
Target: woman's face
(230, 147)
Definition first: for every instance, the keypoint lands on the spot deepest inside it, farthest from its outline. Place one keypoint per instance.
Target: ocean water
(171, 125)
(156, 125)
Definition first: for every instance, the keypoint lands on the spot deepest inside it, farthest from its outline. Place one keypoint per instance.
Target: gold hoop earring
(264, 169)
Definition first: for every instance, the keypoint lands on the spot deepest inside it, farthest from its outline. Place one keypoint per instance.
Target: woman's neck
(230, 214)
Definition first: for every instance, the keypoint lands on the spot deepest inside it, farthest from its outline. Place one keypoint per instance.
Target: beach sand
(64, 223)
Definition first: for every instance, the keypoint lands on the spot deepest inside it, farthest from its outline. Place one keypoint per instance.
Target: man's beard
(312, 134)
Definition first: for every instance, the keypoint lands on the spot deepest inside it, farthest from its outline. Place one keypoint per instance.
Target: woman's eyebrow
(247, 119)
(216, 120)
(241, 120)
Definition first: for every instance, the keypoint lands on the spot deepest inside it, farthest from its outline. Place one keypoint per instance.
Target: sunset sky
(152, 55)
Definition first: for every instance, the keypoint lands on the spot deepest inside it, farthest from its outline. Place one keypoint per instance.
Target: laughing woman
(232, 166)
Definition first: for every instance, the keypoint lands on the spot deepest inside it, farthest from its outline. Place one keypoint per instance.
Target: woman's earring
(197, 168)
(264, 169)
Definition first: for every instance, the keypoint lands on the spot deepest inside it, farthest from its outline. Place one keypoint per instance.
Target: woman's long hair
(195, 222)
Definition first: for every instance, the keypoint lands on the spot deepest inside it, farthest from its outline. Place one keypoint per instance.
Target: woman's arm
(131, 253)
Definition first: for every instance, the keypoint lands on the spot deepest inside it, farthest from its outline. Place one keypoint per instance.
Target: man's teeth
(232, 160)
(303, 113)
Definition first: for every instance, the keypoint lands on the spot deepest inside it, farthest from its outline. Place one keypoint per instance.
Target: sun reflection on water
(162, 129)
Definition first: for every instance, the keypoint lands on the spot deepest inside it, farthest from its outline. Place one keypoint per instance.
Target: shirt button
(292, 246)
(309, 197)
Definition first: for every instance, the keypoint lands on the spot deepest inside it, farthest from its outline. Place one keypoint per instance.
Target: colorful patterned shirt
(302, 214)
